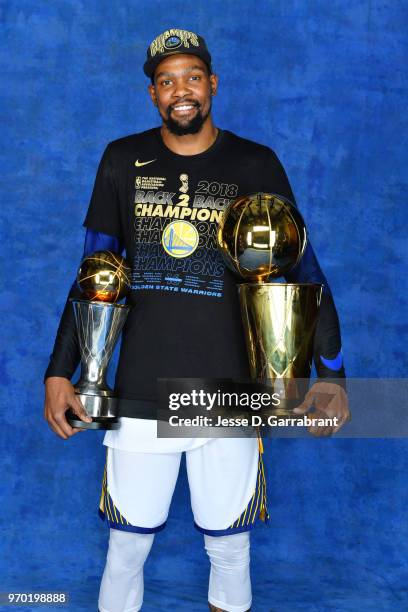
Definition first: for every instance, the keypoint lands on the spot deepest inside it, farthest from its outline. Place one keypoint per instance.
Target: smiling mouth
(183, 109)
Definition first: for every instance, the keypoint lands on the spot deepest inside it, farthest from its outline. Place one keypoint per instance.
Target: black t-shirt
(185, 319)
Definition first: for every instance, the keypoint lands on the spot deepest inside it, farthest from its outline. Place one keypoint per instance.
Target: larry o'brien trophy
(104, 278)
(263, 236)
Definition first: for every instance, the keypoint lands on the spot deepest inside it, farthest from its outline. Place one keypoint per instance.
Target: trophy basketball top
(104, 276)
(261, 235)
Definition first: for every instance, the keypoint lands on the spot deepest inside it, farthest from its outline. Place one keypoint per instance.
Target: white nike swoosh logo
(138, 164)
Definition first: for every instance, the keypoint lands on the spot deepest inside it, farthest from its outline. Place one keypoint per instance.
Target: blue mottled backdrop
(325, 85)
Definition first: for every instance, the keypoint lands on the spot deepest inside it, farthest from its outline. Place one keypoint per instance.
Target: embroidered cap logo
(172, 42)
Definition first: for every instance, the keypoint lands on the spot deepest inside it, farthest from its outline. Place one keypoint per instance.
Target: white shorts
(226, 479)
(140, 436)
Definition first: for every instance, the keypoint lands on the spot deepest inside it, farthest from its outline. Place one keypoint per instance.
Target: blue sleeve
(96, 241)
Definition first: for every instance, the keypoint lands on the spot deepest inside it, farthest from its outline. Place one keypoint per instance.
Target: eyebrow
(172, 74)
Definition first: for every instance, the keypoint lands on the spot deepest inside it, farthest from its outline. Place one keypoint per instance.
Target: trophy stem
(98, 325)
(279, 323)
(93, 377)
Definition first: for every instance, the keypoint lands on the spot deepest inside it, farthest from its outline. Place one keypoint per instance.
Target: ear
(213, 84)
(152, 92)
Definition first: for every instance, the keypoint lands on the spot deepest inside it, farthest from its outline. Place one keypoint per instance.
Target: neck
(190, 144)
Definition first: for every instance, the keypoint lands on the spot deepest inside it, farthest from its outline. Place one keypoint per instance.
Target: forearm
(327, 338)
(65, 356)
(327, 353)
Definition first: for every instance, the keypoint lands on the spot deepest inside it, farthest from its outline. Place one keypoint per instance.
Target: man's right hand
(59, 396)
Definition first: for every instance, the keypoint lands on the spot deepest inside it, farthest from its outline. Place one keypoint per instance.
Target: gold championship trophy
(104, 278)
(263, 236)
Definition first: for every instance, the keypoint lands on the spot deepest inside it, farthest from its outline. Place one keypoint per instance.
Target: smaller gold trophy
(263, 236)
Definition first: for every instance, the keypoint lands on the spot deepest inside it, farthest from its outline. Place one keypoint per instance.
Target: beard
(183, 127)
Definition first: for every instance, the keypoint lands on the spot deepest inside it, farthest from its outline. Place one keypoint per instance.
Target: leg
(122, 582)
(227, 496)
(136, 494)
(230, 582)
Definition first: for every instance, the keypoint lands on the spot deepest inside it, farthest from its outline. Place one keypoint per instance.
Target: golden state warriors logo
(180, 239)
(172, 42)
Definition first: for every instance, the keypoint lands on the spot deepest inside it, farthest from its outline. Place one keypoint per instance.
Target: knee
(230, 552)
(128, 550)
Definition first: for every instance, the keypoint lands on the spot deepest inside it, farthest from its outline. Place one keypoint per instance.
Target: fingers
(306, 404)
(302, 408)
(57, 420)
(62, 428)
(61, 421)
(75, 404)
(330, 401)
(49, 417)
(342, 413)
(56, 428)
(319, 431)
(325, 431)
(59, 424)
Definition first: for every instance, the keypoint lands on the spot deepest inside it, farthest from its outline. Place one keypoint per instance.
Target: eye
(195, 77)
(165, 82)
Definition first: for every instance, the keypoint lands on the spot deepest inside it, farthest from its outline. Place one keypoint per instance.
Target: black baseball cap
(175, 41)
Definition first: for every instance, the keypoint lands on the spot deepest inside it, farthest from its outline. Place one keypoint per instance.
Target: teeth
(184, 107)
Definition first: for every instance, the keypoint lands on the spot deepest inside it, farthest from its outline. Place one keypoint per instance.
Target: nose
(181, 88)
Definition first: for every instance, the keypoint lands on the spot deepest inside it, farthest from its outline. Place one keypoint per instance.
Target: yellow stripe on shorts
(106, 504)
(257, 505)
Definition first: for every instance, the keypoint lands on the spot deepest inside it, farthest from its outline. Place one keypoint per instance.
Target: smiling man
(160, 195)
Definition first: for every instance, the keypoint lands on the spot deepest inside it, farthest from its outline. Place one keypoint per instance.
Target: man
(160, 195)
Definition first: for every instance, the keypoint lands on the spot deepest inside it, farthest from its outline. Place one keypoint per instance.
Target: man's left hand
(329, 400)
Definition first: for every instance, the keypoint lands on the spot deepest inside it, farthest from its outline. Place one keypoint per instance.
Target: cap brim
(150, 65)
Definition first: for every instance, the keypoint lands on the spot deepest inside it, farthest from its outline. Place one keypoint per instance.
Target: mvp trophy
(104, 278)
(263, 236)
